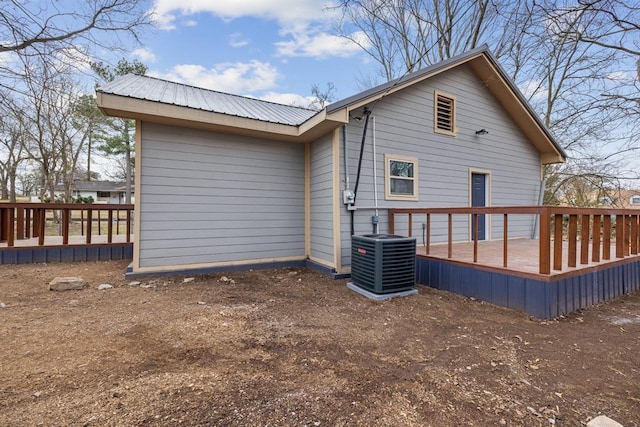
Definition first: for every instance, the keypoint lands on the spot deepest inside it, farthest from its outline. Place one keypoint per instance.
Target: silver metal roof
(166, 92)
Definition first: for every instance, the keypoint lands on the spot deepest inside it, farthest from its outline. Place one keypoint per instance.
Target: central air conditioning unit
(383, 263)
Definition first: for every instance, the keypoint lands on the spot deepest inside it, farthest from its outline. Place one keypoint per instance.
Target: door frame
(487, 199)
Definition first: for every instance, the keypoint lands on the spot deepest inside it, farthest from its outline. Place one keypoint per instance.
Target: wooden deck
(582, 256)
(64, 232)
(523, 256)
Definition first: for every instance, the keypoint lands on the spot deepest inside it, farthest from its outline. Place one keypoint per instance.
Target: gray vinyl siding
(405, 126)
(210, 197)
(321, 209)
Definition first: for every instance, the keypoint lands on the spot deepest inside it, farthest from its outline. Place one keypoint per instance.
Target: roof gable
(153, 99)
(495, 79)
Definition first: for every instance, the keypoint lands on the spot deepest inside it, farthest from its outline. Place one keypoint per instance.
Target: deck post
(42, 222)
(3, 224)
(392, 226)
(20, 223)
(475, 237)
(428, 233)
(10, 226)
(584, 240)
(505, 240)
(450, 238)
(595, 247)
(620, 236)
(606, 237)
(89, 224)
(634, 234)
(544, 244)
(65, 226)
(27, 222)
(128, 225)
(572, 236)
(410, 226)
(627, 234)
(110, 225)
(558, 220)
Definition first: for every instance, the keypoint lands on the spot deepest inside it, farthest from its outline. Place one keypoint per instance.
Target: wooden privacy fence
(26, 221)
(588, 232)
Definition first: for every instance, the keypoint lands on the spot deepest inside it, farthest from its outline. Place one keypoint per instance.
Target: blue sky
(269, 49)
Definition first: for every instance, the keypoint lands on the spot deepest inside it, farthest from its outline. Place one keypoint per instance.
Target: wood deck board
(523, 255)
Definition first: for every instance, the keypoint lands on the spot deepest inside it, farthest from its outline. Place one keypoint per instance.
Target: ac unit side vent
(383, 263)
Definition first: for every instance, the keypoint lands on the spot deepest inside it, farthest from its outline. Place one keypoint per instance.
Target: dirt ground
(291, 347)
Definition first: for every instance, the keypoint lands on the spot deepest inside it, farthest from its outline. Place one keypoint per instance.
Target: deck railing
(27, 221)
(589, 232)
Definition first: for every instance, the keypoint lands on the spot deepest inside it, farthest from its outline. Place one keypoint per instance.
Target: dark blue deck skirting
(70, 253)
(544, 298)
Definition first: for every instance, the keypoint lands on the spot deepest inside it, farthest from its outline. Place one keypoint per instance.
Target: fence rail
(26, 221)
(584, 231)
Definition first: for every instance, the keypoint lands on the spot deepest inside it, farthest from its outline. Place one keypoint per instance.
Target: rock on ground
(67, 284)
(603, 421)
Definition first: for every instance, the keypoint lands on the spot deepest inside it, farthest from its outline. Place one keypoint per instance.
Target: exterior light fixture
(482, 132)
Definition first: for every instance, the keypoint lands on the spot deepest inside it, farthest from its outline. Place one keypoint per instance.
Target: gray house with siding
(224, 181)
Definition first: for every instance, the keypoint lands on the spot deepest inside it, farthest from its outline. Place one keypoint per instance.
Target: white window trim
(387, 177)
(632, 198)
(436, 94)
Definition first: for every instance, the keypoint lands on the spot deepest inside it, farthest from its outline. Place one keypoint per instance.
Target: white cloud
(533, 90)
(165, 12)
(311, 42)
(288, 99)
(144, 54)
(622, 76)
(238, 77)
(190, 23)
(238, 40)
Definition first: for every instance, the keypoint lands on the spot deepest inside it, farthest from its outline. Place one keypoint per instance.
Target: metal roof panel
(158, 90)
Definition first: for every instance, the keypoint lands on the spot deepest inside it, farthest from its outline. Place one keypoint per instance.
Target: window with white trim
(444, 114)
(401, 177)
(635, 200)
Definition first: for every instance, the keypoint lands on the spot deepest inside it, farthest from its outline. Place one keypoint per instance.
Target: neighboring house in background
(224, 181)
(101, 191)
(626, 199)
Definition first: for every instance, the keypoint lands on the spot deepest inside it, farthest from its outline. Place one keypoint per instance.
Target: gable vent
(444, 114)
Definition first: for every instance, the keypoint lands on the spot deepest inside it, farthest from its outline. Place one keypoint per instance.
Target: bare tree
(322, 97)
(407, 35)
(567, 60)
(64, 33)
(53, 140)
(12, 145)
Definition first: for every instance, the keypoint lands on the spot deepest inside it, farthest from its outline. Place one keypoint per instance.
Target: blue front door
(479, 198)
